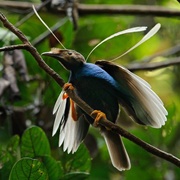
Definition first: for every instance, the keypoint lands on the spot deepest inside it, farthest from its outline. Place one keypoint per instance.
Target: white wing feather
(136, 96)
(149, 102)
(58, 102)
(71, 133)
(59, 108)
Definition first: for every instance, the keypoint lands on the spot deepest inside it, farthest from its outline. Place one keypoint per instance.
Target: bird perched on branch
(104, 86)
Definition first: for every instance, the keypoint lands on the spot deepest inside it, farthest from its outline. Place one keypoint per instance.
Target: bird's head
(70, 59)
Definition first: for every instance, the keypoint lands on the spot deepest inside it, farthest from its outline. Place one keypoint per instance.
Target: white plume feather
(151, 33)
(131, 30)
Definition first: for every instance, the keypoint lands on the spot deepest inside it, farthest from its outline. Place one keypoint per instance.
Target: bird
(104, 86)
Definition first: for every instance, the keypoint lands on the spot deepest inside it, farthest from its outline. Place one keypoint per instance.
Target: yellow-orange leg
(72, 104)
(99, 115)
(68, 86)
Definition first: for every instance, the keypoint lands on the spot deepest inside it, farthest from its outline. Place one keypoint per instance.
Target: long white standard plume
(151, 33)
(34, 9)
(131, 30)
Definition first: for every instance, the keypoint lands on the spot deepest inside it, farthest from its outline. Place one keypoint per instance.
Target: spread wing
(71, 123)
(136, 95)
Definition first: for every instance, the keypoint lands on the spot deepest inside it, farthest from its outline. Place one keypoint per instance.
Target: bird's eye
(69, 53)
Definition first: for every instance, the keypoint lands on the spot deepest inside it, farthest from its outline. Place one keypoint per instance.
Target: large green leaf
(28, 169)
(54, 168)
(34, 143)
(80, 161)
(75, 175)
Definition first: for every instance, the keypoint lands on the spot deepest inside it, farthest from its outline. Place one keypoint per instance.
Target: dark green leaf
(34, 143)
(54, 168)
(6, 162)
(8, 157)
(75, 175)
(28, 169)
(79, 161)
(13, 144)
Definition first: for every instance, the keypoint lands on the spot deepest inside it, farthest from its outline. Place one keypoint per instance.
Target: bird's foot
(99, 115)
(68, 86)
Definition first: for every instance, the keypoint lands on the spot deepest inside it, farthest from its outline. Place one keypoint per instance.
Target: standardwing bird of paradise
(104, 86)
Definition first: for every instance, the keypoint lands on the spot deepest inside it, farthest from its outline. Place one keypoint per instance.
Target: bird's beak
(55, 52)
(50, 53)
(58, 55)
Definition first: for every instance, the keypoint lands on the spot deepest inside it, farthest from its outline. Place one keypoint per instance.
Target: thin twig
(167, 52)
(153, 66)
(82, 104)
(13, 47)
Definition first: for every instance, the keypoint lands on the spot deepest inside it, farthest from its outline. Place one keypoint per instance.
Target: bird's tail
(117, 151)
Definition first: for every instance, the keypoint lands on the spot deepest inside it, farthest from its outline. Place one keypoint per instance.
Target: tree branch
(168, 52)
(13, 47)
(87, 9)
(146, 65)
(127, 10)
(82, 104)
(153, 66)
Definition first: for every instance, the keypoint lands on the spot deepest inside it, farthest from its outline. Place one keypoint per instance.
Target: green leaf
(30, 169)
(54, 168)
(8, 157)
(13, 144)
(75, 175)
(6, 163)
(80, 161)
(34, 143)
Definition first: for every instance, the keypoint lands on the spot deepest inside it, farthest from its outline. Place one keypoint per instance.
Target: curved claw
(99, 115)
(68, 86)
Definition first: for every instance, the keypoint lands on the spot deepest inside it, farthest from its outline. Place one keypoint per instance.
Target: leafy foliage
(35, 160)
